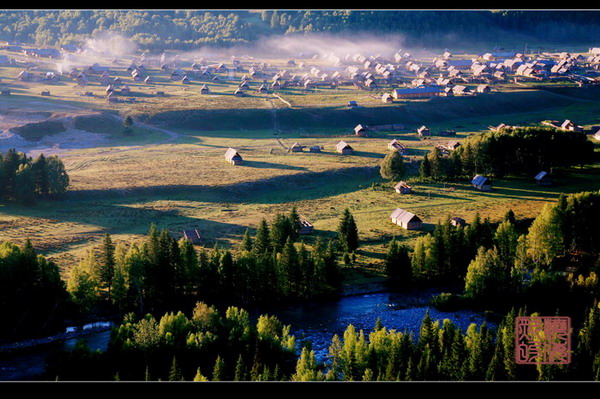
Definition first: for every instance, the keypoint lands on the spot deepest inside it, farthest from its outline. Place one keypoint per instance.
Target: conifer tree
(106, 263)
(392, 166)
(348, 232)
(262, 241)
(219, 370)
(307, 368)
(397, 264)
(247, 241)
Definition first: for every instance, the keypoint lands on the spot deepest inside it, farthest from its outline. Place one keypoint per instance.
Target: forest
(26, 180)
(188, 29)
(545, 266)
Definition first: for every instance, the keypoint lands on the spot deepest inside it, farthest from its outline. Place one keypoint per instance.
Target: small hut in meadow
(482, 183)
(395, 145)
(403, 188)
(360, 130)
(344, 148)
(452, 145)
(387, 98)
(233, 157)
(457, 222)
(296, 147)
(204, 90)
(306, 227)
(406, 219)
(543, 179)
(423, 131)
(192, 235)
(314, 148)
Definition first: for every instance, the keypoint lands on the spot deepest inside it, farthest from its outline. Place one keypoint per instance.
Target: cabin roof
(404, 216)
(479, 180)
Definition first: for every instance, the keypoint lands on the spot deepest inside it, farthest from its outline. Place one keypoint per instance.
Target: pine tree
(262, 241)
(219, 370)
(397, 264)
(296, 225)
(247, 241)
(392, 166)
(25, 185)
(199, 377)
(106, 263)
(425, 167)
(307, 368)
(175, 372)
(58, 179)
(240, 370)
(348, 232)
(41, 178)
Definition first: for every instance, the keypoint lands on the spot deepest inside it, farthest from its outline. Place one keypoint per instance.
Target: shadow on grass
(274, 190)
(115, 218)
(271, 165)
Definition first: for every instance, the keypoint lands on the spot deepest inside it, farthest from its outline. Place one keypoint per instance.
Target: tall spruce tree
(348, 232)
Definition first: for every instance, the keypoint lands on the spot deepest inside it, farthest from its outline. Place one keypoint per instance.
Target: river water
(316, 322)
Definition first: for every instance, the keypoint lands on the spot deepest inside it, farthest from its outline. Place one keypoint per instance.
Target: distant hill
(188, 29)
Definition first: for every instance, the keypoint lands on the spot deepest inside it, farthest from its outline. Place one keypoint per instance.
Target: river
(316, 321)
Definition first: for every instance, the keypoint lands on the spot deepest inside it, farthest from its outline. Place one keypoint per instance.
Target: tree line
(189, 29)
(552, 263)
(33, 297)
(165, 273)
(25, 180)
(210, 347)
(518, 151)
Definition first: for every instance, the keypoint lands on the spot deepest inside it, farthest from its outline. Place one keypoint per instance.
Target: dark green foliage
(347, 232)
(189, 29)
(24, 180)
(180, 348)
(397, 265)
(392, 166)
(519, 151)
(32, 295)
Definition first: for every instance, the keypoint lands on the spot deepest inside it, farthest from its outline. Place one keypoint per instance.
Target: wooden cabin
(204, 90)
(457, 222)
(360, 130)
(452, 145)
(395, 145)
(296, 147)
(423, 131)
(406, 219)
(543, 179)
(306, 227)
(403, 188)
(344, 148)
(482, 183)
(314, 148)
(233, 157)
(192, 235)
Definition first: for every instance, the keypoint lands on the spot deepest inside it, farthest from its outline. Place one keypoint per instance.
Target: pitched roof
(401, 184)
(403, 216)
(341, 145)
(541, 175)
(231, 153)
(479, 180)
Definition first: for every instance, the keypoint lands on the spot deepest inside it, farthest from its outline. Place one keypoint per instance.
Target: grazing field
(169, 168)
(187, 183)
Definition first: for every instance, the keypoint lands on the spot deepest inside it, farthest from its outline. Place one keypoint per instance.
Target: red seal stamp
(543, 340)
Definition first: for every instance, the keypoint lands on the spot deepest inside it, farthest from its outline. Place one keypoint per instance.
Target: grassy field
(170, 169)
